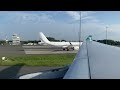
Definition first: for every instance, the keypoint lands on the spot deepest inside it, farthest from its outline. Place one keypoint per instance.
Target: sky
(60, 24)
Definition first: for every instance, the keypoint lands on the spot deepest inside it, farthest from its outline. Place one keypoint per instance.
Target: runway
(8, 50)
(41, 50)
(31, 50)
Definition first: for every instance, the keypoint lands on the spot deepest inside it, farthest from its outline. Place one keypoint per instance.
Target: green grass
(44, 60)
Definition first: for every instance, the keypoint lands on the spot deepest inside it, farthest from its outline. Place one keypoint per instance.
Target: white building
(15, 39)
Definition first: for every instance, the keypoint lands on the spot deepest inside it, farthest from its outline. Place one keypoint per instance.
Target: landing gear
(73, 48)
(67, 48)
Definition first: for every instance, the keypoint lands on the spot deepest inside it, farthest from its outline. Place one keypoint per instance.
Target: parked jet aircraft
(65, 45)
(93, 61)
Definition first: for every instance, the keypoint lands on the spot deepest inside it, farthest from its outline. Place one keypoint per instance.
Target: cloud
(98, 31)
(93, 26)
(114, 27)
(24, 17)
(84, 15)
(90, 25)
(26, 24)
(73, 14)
(114, 31)
(29, 24)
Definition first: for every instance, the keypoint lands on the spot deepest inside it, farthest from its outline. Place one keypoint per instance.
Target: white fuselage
(64, 45)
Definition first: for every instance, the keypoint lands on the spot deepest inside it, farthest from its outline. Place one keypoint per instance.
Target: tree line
(3, 42)
(109, 42)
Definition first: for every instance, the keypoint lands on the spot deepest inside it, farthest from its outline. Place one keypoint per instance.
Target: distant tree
(94, 40)
(29, 41)
(63, 40)
(24, 42)
(52, 39)
(2, 42)
(109, 42)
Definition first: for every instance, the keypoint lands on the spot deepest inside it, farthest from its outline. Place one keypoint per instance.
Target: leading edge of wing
(95, 61)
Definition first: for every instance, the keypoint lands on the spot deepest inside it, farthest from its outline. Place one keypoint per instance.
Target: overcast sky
(59, 24)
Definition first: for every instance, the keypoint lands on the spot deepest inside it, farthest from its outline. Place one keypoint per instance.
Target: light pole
(106, 35)
(80, 29)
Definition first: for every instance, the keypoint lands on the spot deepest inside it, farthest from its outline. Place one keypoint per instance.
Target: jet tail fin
(43, 38)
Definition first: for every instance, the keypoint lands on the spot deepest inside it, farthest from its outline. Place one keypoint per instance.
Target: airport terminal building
(15, 39)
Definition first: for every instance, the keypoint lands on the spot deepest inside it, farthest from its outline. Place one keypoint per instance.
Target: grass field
(44, 60)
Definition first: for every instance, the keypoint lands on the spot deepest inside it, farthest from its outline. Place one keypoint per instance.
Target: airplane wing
(95, 61)
(79, 68)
